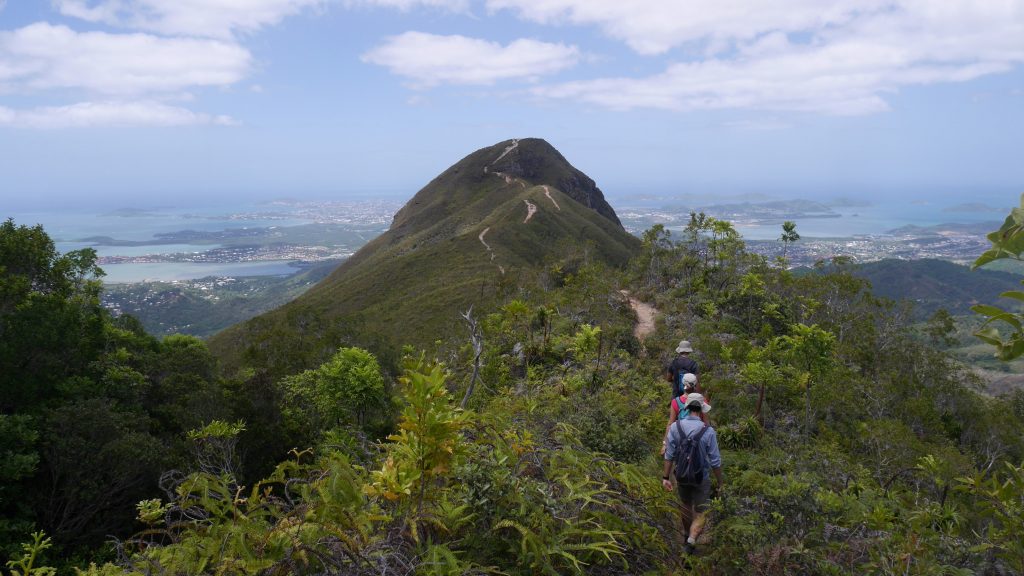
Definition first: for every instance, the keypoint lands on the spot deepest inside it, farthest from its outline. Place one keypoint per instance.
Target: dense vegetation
(92, 409)
(526, 444)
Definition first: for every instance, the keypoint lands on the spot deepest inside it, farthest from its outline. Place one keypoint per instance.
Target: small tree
(789, 235)
(426, 447)
(808, 349)
(214, 446)
(343, 390)
(941, 328)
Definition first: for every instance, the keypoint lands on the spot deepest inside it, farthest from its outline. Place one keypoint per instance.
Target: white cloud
(840, 79)
(655, 26)
(845, 61)
(405, 5)
(428, 60)
(118, 114)
(44, 57)
(207, 18)
(140, 72)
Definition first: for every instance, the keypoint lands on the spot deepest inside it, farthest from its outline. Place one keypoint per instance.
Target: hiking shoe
(690, 549)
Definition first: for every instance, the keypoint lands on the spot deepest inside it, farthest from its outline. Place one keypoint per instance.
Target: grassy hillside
(462, 241)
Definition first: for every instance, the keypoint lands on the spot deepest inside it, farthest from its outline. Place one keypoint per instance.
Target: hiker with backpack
(692, 452)
(680, 366)
(675, 407)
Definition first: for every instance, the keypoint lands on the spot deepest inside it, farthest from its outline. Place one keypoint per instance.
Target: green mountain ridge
(932, 284)
(459, 242)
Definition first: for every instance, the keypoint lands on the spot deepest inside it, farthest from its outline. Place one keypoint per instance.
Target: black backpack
(689, 461)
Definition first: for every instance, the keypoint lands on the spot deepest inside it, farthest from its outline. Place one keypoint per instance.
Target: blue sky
(167, 102)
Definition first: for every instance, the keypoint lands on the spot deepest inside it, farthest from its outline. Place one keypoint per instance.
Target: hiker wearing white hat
(680, 366)
(692, 451)
(678, 406)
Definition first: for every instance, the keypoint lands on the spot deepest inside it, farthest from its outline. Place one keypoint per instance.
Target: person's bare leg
(686, 512)
(697, 525)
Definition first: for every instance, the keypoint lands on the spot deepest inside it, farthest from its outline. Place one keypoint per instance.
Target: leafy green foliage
(1001, 498)
(1007, 242)
(789, 235)
(941, 327)
(51, 323)
(18, 460)
(347, 390)
(26, 565)
(425, 448)
(92, 409)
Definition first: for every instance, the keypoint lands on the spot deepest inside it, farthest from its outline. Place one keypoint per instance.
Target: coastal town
(959, 247)
(327, 231)
(272, 253)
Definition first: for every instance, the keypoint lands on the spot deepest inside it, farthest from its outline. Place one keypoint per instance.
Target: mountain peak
(508, 166)
(537, 161)
(501, 213)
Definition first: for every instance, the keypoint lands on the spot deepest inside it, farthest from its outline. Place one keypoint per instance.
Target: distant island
(974, 207)
(844, 202)
(132, 213)
(771, 212)
(979, 228)
(638, 219)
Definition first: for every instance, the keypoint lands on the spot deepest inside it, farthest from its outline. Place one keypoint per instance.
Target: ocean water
(68, 229)
(104, 250)
(879, 218)
(171, 271)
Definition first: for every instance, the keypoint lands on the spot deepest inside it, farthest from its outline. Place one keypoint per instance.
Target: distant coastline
(270, 238)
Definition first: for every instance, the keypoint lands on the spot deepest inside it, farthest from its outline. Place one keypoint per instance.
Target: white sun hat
(698, 399)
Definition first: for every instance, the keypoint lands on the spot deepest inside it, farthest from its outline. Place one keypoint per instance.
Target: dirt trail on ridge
(547, 192)
(484, 242)
(645, 315)
(513, 146)
(489, 251)
(531, 209)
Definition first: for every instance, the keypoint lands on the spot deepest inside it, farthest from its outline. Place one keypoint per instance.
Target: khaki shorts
(697, 496)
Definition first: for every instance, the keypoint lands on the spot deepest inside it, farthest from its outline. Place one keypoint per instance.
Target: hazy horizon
(997, 200)
(150, 102)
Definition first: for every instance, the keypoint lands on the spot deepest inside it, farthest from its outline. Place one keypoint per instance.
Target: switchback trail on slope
(531, 209)
(547, 192)
(484, 242)
(513, 146)
(489, 251)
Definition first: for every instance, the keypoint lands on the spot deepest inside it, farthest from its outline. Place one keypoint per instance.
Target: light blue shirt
(708, 442)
